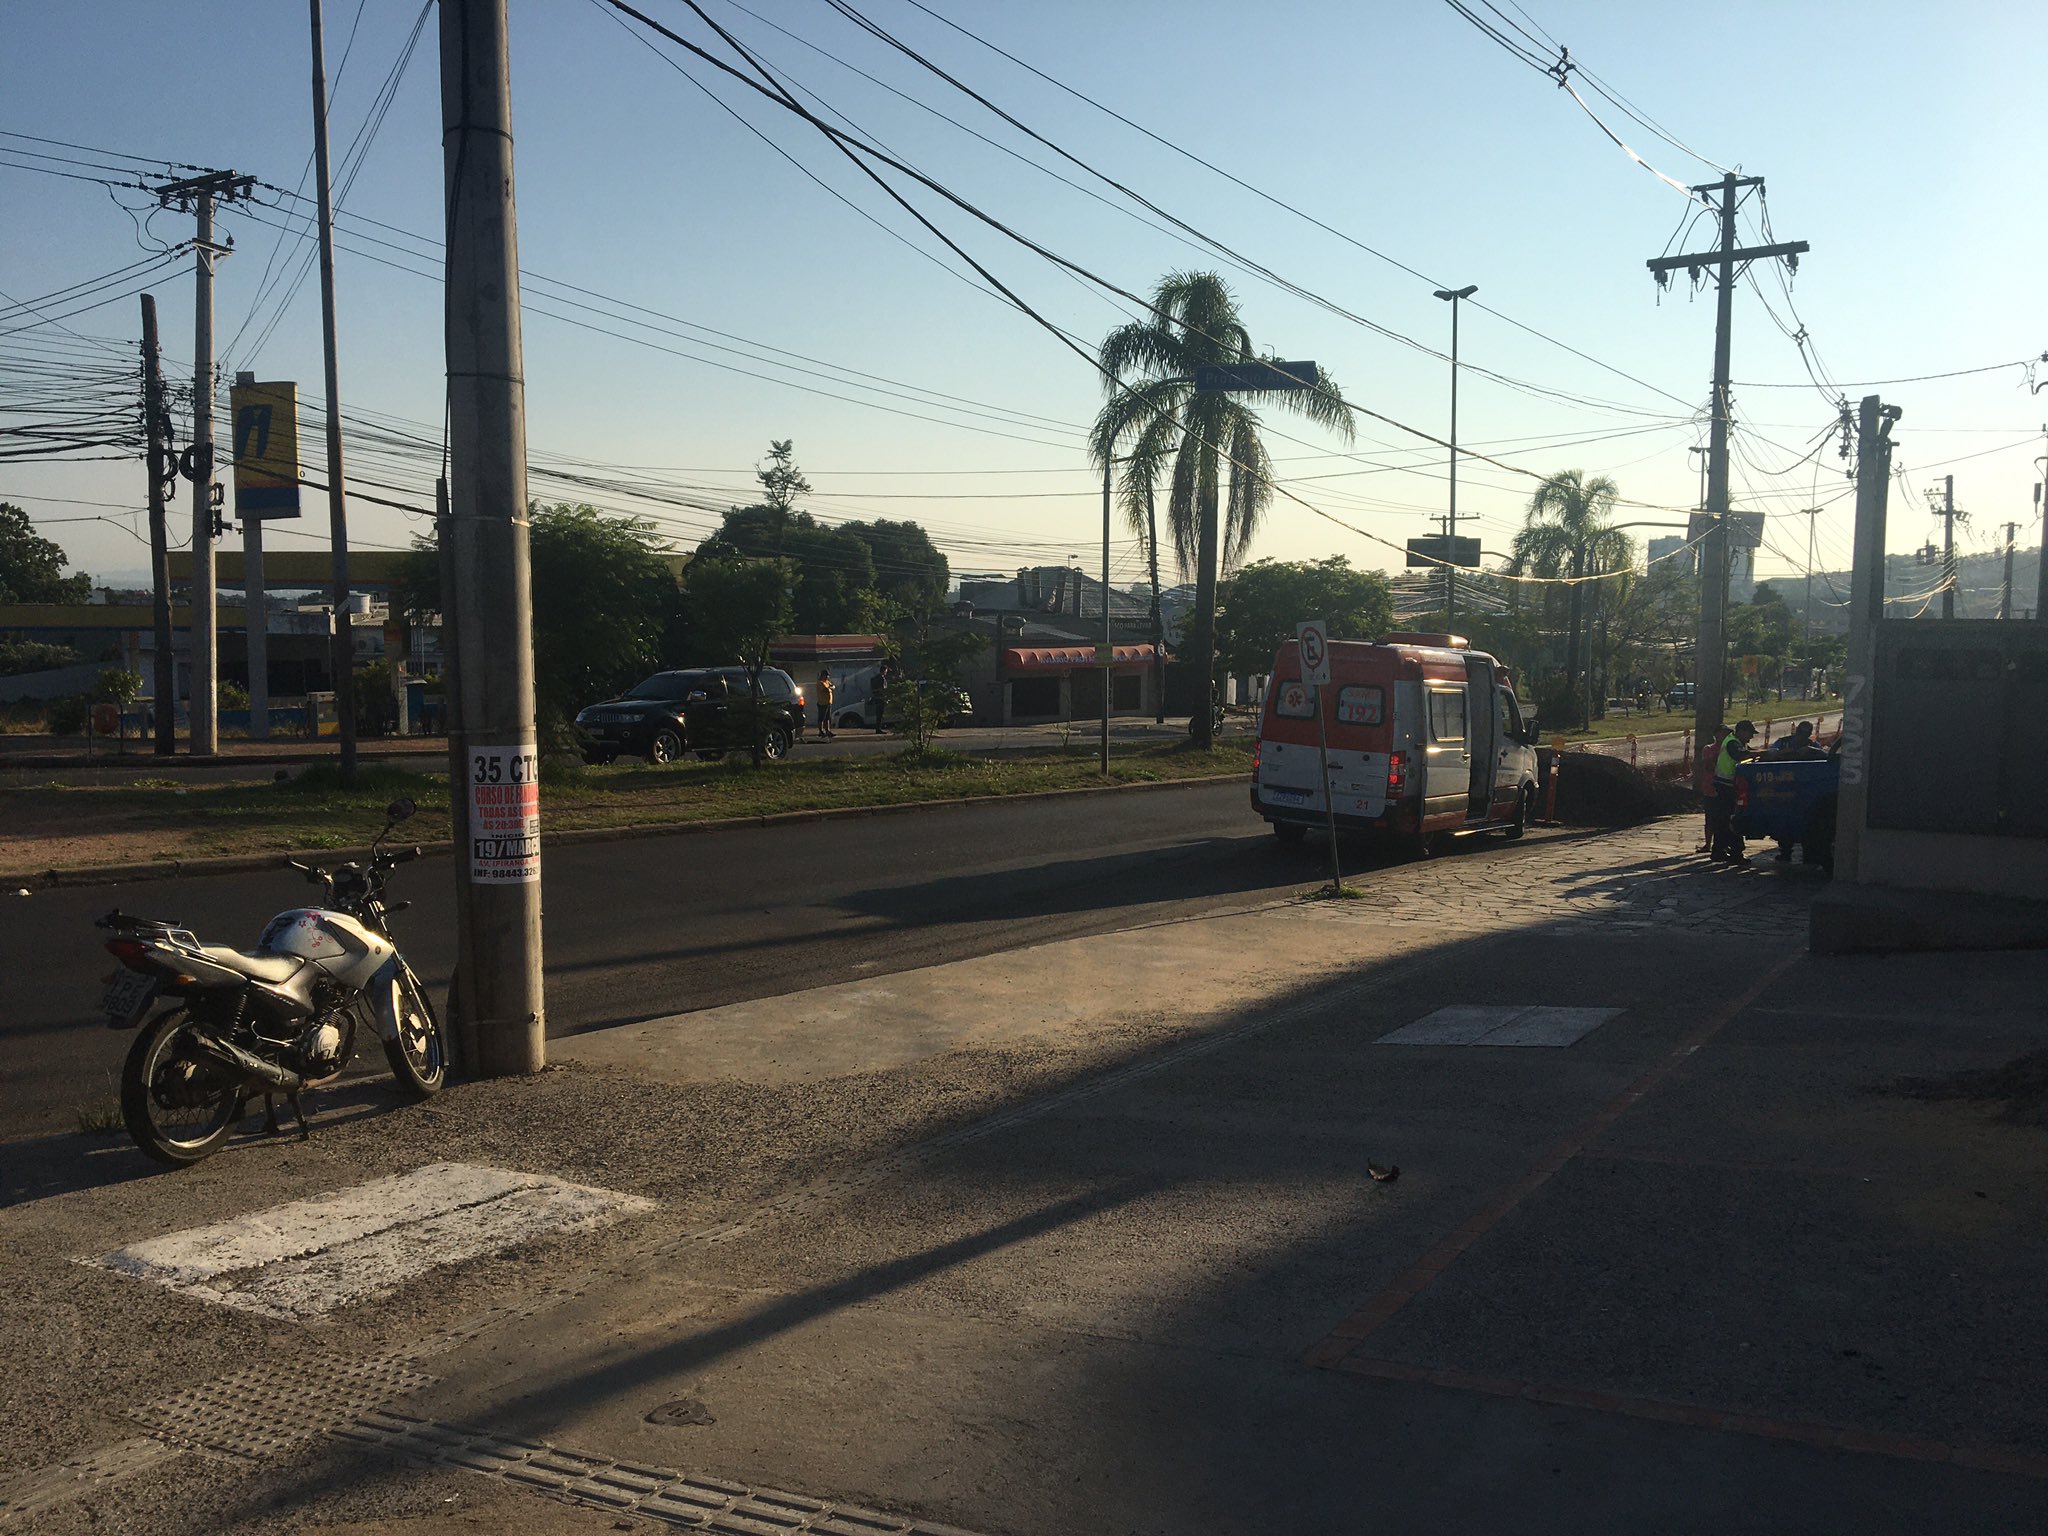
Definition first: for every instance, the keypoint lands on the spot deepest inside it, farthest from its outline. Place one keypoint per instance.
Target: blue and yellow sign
(266, 450)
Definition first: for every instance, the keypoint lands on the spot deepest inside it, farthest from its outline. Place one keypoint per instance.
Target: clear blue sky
(1895, 138)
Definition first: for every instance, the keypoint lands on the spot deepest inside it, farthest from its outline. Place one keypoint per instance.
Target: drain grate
(264, 1411)
(657, 1493)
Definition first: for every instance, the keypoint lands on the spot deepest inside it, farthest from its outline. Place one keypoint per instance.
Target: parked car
(701, 710)
(1681, 696)
(955, 707)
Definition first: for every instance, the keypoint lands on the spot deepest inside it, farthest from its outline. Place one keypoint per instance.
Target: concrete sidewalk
(1095, 1236)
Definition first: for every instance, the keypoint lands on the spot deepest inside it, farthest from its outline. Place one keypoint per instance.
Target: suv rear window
(667, 685)
(1294, 700)
(1361, 704)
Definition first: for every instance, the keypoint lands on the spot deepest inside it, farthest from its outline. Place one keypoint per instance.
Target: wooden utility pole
(342, 655)
(1711, 660)
(491, 689)
(156, 422)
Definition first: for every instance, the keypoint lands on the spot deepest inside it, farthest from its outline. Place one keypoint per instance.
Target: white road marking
(308, 1257)
(1492, 1024)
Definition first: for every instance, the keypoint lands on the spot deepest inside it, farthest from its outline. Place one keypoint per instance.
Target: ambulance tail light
(1397, 775)
(1258, 750)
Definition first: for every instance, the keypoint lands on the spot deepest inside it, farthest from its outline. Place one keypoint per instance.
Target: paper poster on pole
(1314, 639)
(504, 815)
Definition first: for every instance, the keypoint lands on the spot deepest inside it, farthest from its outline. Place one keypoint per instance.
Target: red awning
(1060, 658)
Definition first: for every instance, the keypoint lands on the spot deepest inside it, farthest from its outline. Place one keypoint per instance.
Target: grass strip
(77, 827)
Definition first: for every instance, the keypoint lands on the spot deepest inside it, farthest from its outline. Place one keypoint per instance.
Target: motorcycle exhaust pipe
(260, 1074)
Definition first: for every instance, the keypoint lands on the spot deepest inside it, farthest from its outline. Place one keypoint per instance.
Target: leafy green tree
(1205, 445)
(740, 607)
(1565, 534)
(911, 576)
(32, 567)
(1260, 605)
(604, 602)
(835, 570)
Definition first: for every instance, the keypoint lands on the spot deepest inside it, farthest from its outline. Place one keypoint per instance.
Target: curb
(245, 863)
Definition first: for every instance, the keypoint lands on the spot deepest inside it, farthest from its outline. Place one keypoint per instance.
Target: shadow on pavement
(1698, 1208)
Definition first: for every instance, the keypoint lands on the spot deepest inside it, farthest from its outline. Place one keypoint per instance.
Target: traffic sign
(1258, 373)
(1314, 639)
(1434, 549)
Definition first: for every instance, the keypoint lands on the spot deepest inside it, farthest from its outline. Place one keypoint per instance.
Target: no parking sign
(1314, 638)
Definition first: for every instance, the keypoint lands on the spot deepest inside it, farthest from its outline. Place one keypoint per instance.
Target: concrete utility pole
(156, 422)
(2005, 591)
(1806, 608)
(1711, 660)
(1108, 655)
(1158, 623)
(196, 194)
(1949, 514)
(342, 655)
(1874, 423)
(1453, 296)
(499, 970)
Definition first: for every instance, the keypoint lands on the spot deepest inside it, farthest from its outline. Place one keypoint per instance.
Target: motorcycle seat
(271, 968)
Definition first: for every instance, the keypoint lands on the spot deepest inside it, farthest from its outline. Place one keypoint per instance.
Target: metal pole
(1711, 662)
(1453, 295)
(1323, 696)
(155, 420)
(343, 653)
(203, 739)
(1866, 613)
(493, 597)
(1108, 648)
(257, 607)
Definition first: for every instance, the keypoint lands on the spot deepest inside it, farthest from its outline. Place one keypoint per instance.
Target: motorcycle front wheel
(178, 1106)
(419, 1056)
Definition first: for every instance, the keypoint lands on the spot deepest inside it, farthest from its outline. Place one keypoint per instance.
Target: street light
(1452, 296)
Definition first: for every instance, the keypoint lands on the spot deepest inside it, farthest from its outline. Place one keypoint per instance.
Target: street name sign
(1258, 373)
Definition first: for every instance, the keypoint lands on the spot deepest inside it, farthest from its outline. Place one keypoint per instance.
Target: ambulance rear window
(1294, 700)
(1361, 704)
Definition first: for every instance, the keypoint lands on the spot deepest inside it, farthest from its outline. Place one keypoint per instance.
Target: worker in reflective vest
(1726, 841)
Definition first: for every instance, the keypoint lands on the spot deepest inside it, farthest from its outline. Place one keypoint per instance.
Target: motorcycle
(274, 1020)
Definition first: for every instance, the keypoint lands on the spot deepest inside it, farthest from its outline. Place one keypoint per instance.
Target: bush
(68, 716)
(233, 696)
(117, 685)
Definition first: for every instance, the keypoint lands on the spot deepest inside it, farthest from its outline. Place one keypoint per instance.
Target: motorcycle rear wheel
(419, 1056)
(177, 1105)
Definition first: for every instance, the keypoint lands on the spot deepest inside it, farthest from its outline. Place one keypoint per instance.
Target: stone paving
(1644, 878)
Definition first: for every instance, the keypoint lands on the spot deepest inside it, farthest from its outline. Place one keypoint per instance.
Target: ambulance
(1426, 741)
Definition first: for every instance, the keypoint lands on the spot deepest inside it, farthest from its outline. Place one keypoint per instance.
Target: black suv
(703, 710)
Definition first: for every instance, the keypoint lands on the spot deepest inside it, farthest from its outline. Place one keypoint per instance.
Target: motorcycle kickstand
(298, 1109)
(270, 1125)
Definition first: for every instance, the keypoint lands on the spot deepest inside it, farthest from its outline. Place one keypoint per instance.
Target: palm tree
(1565, 534)
(1206, 445)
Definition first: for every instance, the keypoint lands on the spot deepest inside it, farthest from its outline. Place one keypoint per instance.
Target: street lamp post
(1452, 296)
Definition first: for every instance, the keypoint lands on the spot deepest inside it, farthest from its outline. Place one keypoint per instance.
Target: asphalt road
(660, 925)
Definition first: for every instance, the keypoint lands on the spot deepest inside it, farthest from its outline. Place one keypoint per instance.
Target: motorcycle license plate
(126, 996)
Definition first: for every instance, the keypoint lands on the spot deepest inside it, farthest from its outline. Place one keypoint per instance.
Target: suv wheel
(775, 744)
(666, 746)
